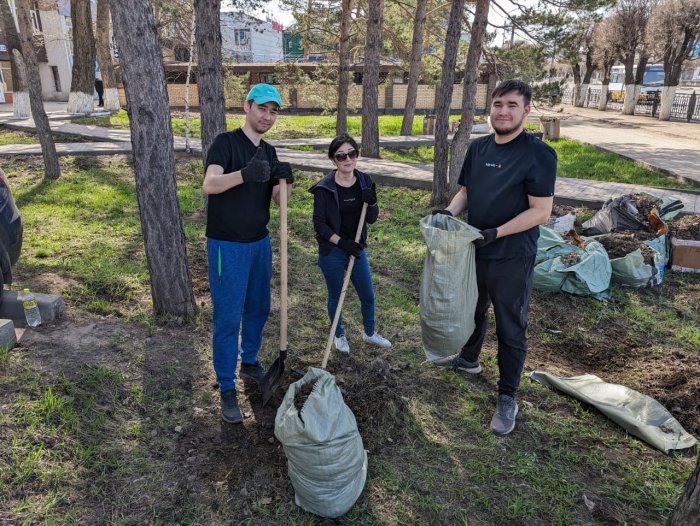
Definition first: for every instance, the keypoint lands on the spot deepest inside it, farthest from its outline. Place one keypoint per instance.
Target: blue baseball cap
(262, 93)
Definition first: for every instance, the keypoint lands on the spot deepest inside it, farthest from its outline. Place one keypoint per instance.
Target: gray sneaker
(229, 408)
(503, 421)
(252, 371)
(462, 365)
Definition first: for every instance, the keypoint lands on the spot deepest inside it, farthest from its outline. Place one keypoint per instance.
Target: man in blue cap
(241, 178)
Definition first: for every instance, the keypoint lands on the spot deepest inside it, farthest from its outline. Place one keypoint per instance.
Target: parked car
(10, 232)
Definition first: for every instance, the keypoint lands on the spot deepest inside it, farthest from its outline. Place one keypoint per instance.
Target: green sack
(589, 277)
(448, 291)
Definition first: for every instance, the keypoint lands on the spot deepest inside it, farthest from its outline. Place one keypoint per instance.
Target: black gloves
(369, 195)
(258, 169)
(282, 171)
(350, 247)
(489, 237)
(446, 212)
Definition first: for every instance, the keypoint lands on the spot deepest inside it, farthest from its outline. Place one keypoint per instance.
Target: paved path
(670, 147)
(568, 191)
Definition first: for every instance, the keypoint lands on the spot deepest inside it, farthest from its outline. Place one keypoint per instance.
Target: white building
(247, 39)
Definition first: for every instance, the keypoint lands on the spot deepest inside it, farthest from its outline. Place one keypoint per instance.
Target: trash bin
(429, 125)
(551, 127)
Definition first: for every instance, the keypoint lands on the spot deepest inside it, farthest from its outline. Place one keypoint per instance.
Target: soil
(619, 244)
(571, 259)
(686, 227)
(644, 206)
(562, 210)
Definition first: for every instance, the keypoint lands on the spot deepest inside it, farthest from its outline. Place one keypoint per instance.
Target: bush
(548, 93)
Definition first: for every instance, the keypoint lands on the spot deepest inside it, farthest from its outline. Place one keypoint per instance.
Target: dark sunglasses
(340, 157)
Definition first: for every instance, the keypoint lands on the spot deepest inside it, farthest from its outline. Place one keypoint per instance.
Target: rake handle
(283, 265)
(346, 281)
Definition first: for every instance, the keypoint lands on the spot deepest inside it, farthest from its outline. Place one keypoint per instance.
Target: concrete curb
(51, 307)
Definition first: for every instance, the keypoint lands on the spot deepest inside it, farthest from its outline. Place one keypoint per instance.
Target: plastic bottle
(31, 309)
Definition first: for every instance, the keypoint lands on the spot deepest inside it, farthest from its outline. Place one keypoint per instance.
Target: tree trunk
(668, 93)
(603, 100)
(154, 158)
(341, 125)
(210, 76)
(590, 68)
(576, 68)
(20, 93)
(52, 169)
(82, 86)
(370, 80)
(414, 68)
(471, 77)
(687, 510)
(630, 99)
(441, 192)
(104, 56)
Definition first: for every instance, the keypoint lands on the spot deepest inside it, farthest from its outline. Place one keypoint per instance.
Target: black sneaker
(503, 421)
(462, 365)
(252, 371)
(229, 408)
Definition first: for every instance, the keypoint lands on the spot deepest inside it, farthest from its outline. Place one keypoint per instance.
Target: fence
(391, 97)
(685, 106)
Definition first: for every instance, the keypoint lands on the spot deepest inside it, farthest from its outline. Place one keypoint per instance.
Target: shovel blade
(273, 378)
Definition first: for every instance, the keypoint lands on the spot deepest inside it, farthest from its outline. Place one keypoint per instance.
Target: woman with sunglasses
(338, 201)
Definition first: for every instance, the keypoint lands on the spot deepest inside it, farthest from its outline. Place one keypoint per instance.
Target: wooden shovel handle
(346, 281)
(283, 264)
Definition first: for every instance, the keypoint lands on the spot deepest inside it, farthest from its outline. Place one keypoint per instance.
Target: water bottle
(31, 309)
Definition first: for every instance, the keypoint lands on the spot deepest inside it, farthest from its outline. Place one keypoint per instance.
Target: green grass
(286, 127)
(8, 137)
(96, 441)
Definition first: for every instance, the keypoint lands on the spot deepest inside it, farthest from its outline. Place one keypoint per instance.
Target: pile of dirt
(302, 396)
(619, 244)
(686, 227)
(571, 259)
(562, 210)
(644, 206)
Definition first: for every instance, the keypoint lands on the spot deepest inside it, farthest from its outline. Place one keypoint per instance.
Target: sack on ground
(326, 460)
(448, 291)
(563, 267)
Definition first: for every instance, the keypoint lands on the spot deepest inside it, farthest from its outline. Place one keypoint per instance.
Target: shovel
(346, 281)
(273, 378)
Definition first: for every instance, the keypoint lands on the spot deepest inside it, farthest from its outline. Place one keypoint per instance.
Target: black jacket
(327, 210)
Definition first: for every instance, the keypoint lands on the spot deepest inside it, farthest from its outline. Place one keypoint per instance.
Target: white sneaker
(341, 343)
(377, 340)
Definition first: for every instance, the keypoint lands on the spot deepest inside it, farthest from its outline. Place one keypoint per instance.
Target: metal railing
(685, 106)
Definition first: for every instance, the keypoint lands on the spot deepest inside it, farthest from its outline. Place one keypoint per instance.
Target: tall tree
(52, 169)
(587, 48)
(20, 93)
(370, 79)
(82, 86)
(154, 158)
(674, 26)
(414, 67)
(605, 54)
(210, 76)
(687, 509)
(440, 193)
(629, 29)
(104, 56)
(341, 125)
(471, 76)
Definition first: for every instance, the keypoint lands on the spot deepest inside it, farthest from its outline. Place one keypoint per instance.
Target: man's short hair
(516, 85)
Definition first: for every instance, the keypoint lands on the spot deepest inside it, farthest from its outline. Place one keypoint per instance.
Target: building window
(241, 39)
(36, 19)
(56, 78)
(182, 54)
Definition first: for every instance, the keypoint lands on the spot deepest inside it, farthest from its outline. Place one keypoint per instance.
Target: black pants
(507, 283)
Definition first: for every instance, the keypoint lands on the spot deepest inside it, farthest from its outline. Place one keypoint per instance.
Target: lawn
(111, 416)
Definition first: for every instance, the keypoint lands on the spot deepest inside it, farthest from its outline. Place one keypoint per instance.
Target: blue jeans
(333, 266)
(239, 279)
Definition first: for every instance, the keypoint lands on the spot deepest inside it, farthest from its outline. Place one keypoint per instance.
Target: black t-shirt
(499, 178)
(240, 213)
(350, 201)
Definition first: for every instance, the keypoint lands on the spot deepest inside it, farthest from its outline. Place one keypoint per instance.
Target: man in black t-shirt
(507, 186)
(241, 178)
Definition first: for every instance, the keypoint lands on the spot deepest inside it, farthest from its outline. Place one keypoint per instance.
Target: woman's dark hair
(339, 141)
(518, 86)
